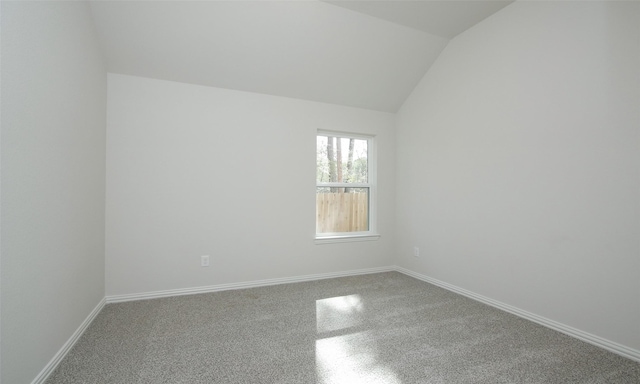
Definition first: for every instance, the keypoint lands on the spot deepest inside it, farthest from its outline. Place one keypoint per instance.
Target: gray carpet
(381, 328)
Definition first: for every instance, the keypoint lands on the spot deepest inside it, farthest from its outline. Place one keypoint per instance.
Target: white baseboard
(243, 285)
(51, 366)
(611, 346)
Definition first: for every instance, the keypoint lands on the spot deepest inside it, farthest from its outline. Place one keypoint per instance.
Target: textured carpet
(381, 328)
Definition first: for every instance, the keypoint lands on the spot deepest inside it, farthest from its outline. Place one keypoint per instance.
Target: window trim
(352, 237)
(372, 177)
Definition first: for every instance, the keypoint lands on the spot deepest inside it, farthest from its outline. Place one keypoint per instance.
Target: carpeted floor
(381, 328)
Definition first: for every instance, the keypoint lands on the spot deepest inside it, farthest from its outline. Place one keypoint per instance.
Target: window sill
(346, 238)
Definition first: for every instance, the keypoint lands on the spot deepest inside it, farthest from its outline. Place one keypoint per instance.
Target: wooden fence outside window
(342, 212)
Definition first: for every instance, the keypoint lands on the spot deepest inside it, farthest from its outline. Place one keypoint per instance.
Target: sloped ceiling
(441, 18)
(302, 49)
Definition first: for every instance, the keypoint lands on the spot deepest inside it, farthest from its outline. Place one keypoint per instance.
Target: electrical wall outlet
(416, 252)
(204, 261)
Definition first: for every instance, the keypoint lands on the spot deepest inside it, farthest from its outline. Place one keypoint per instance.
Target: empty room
(381, 192)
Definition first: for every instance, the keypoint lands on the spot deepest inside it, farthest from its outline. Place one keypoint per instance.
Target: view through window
(343, 184)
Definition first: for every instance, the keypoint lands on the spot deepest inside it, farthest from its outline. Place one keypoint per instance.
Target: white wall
(518, 166)
(53, 180)
(194, 170)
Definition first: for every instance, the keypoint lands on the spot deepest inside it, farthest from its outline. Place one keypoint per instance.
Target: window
(345, 187)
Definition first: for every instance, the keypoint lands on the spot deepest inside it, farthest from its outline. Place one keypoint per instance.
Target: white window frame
(372, 159)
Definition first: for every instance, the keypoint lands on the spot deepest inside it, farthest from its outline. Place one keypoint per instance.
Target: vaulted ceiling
(445, 18)
(367, 54)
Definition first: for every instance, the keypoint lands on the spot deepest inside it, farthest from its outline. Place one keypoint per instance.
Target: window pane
(341, 160)
(342, 209)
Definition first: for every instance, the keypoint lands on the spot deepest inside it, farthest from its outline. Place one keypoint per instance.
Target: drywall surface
(518, 167)
(194, 170)
(302, 49)
(53, 180)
